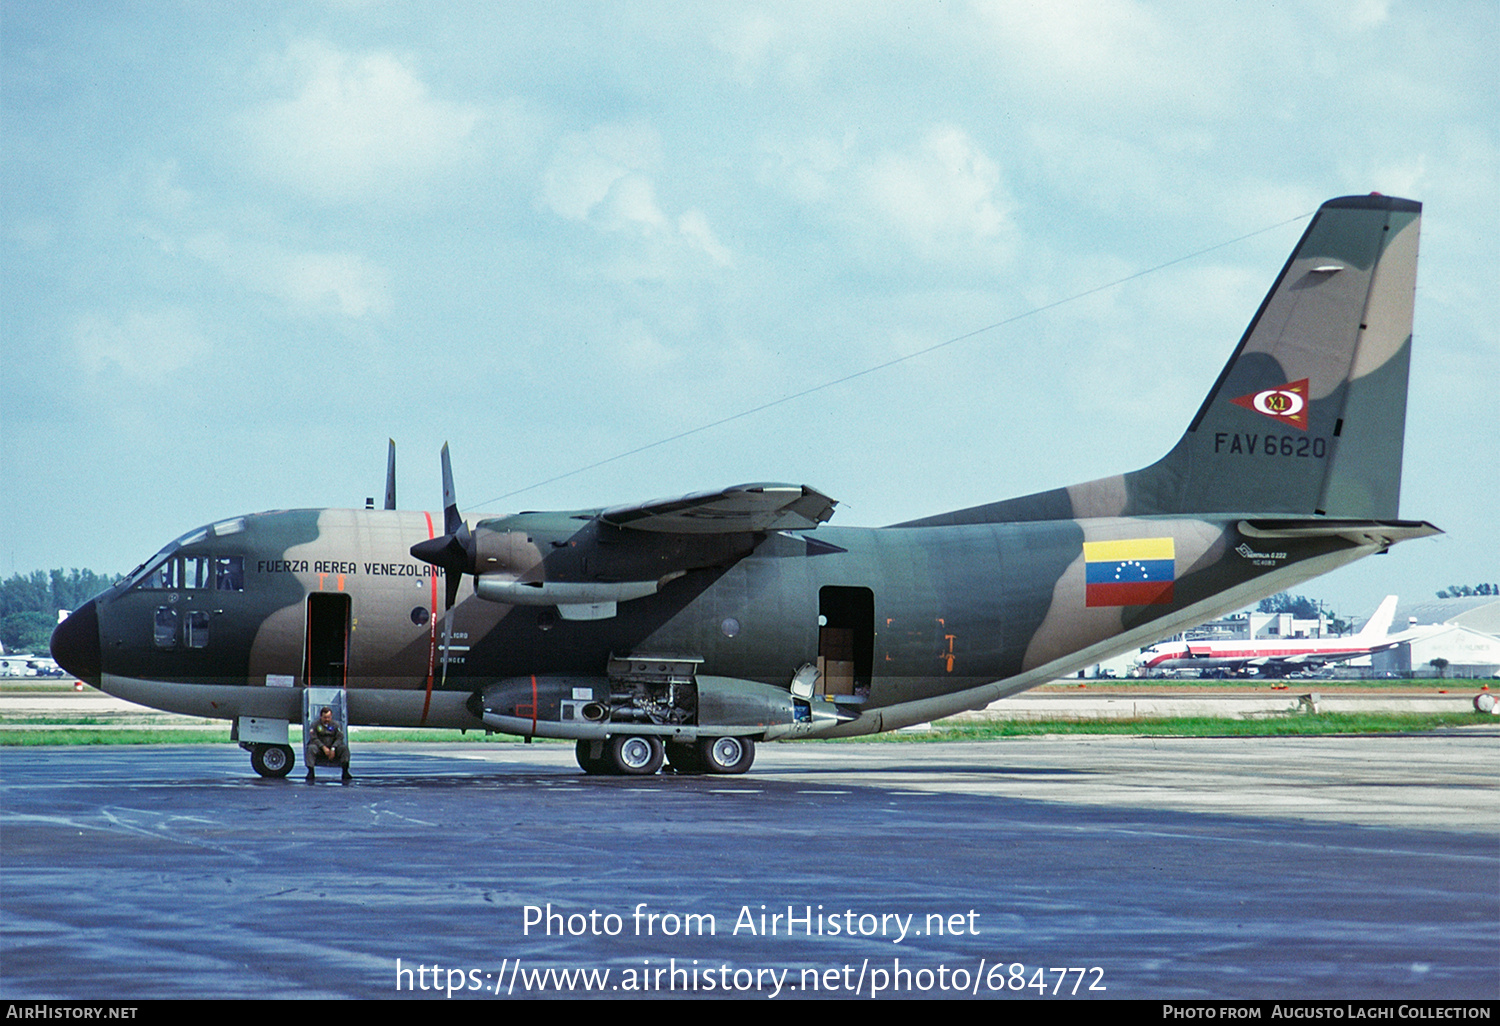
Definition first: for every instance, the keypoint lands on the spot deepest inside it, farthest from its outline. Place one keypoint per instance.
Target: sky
(244, 244)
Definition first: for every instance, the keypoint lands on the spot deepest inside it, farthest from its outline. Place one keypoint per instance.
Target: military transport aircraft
(1275, 657)
(691, 628)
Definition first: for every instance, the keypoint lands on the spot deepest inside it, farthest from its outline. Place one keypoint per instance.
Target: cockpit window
(173, 569)
(177, 573)
(161, 576)
(139, 575)
(229, 573)
(193, 573)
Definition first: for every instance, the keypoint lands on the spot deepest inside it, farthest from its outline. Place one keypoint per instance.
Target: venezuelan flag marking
(1130, 572)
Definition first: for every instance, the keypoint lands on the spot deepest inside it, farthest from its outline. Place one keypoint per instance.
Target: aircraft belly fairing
(689, 628)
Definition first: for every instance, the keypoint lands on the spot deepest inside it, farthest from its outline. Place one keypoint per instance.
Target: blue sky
(244, 244)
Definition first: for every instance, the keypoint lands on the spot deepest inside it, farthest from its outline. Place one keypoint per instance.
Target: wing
(548, 559)
(1320, 658)
(735, 510)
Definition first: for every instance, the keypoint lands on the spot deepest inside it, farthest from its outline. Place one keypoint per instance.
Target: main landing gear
(621, 755)
(632, 755)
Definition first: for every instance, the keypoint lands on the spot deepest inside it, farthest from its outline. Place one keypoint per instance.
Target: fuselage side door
(846, 641)
(326, 659)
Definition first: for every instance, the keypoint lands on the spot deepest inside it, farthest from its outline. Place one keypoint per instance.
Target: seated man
(327, 743)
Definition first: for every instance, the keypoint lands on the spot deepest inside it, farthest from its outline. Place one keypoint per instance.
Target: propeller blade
(451, 520)
(390, 477)
(452, 582)
(453, 551)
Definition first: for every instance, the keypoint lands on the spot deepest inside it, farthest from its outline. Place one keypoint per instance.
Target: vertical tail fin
(1309, 415)
(1379, 623)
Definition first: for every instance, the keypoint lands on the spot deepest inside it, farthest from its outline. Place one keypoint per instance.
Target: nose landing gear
(274, 761)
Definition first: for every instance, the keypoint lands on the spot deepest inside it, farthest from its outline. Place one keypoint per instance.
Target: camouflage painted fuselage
(961, 615)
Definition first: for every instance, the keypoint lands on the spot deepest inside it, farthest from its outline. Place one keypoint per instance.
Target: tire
(274, 761)
(683, 755)
(591, 766)
(726, 754)
(633, 755)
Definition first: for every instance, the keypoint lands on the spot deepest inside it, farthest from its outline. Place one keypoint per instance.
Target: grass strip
(1285, 725)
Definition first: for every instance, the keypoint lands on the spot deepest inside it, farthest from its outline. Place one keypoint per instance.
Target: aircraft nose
(75, 643)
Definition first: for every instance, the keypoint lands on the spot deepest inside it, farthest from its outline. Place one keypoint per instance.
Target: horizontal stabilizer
(1362, 532)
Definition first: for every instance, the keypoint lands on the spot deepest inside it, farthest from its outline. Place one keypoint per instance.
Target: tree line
(29, 604)
(1303, 608)
(1468, 590)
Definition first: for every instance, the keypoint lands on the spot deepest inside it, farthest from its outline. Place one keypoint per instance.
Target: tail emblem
(1287, 403)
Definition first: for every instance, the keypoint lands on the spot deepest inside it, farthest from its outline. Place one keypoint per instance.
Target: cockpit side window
(195, 571)
(171, 574)
(162, 577)
(229, 573)
(165, 633)
(195, 631)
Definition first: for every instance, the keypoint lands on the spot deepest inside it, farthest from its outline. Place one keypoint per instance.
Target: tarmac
(1098, 700)
(1341, 868)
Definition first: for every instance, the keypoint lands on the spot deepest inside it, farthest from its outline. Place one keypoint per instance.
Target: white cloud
(358, 126)
(310, 282)
(1356, 14)
(1085, 50)
(604, 178)
(146, 346)
(807, 169)
(693, 227)
(631, 203)
(588, 165)
(344, 281)
(639, 351)
(942, 198)
(186, 233)
(748, 42)
(943, 192)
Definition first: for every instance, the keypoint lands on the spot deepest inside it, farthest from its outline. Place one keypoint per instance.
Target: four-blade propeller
(453, 551)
